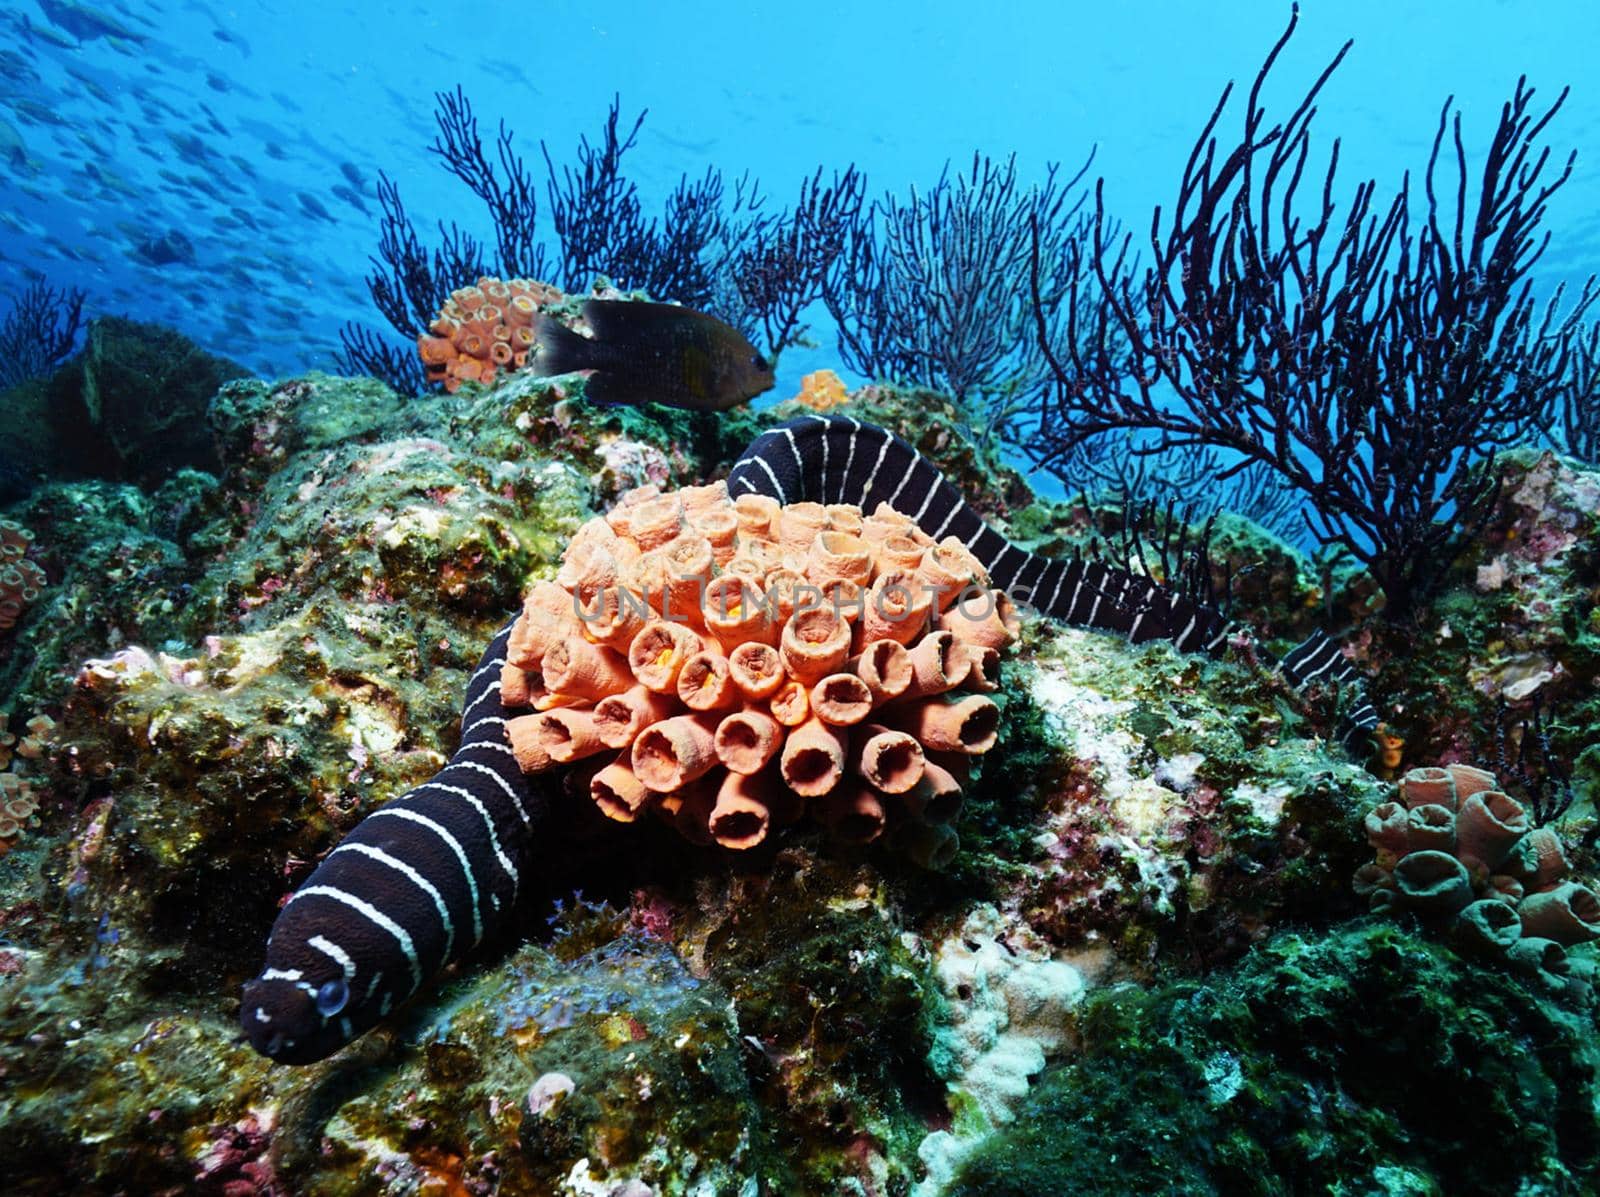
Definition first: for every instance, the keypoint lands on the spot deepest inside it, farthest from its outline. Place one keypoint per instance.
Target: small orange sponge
(482, 330)
(21, 580)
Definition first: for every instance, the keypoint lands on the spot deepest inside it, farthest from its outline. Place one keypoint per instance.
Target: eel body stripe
(416, 878)
(472, 799)
(450, 841)
(334, 952)
(369, 911)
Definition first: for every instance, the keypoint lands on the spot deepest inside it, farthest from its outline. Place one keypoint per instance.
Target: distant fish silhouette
(12, 149)
(654, 353)
(351, 198)
(350, 171)
(85, 23)
(18, 69)
(43, 33)
(312, 206)
(233, 39)
(166, 250)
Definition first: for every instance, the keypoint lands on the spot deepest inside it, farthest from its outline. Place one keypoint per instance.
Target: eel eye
(331, 998)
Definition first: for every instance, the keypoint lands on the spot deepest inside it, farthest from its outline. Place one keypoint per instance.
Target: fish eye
(761, 365)
(331, 998)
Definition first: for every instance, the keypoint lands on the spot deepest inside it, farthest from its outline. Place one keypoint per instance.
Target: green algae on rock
(243, 663)
(1363, 1060)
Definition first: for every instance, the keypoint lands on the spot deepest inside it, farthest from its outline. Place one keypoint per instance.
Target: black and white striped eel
(425, 877)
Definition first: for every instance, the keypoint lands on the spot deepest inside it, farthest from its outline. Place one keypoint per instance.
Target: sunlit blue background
(214, 120)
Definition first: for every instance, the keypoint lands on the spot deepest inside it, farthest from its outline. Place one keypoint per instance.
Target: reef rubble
(1150, 908)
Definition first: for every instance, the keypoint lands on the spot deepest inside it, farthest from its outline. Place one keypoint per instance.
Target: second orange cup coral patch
(735, 666)
(483, 330)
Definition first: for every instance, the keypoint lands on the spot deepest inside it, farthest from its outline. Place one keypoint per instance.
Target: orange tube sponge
(1549, 859)
(853, 814)
(1568, 914)
(687, 567)
(481, 328)
(798, 524)
(655, 522)
(567, 735)
(844, 517)
(791, 704)
(946, 570)
(1433, 882)
(658, 652)
(983, 672)
(938, 664)
(813, 758)
(574, 666)
(720, 527)
(736, 613)
(617, 792)
(889, 761)
(841, 699)
(614, 616)
(985, 618)
(1488, 824)
(1431, 828)
(814, 644)
(690, 810)
(670, 754)
(969, 725)
(895, 607)
(885, 666)
(757, 514)
(732, 689)
(756, 669)
(706, 684)
(746, 740)
(936, 798)
(516, 688)
(897, 553)
(741, 816)
(528, 745)
(1387, 831)
(620, 718)
(589, 565)
(838, 557)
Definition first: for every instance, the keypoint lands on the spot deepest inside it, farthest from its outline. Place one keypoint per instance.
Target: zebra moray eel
(422, 879)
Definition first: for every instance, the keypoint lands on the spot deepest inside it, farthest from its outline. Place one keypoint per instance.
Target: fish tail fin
(561, 351)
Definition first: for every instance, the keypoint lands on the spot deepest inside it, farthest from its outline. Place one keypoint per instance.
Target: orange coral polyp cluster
(734, 665)
(21, 580)
(823, 390)
(484, 329)
(19, 800)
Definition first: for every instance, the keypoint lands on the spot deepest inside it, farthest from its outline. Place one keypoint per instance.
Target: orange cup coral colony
(482, 330)
(21, 581)
(730, 666)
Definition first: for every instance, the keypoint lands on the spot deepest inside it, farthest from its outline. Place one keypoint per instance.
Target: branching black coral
(1198, 479)
(929, 291)
(1575, 402)
(707, 249)
(1367, 356)
(38, 332)
(786, 263)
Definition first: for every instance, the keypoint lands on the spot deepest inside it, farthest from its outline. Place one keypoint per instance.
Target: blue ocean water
(178, 161)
